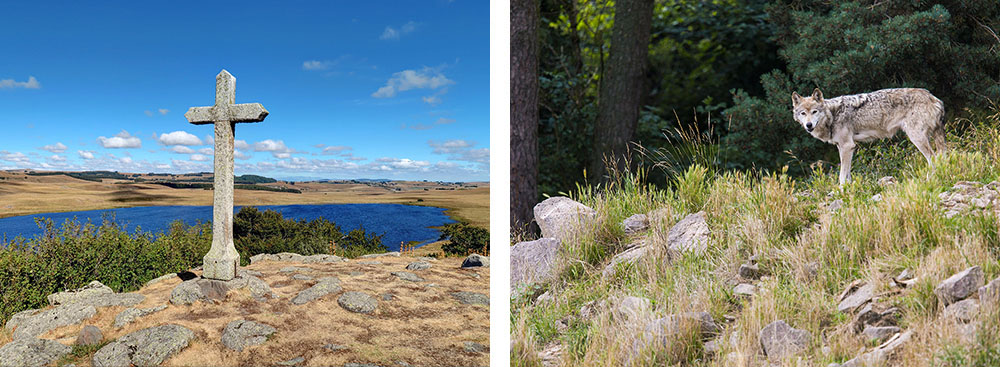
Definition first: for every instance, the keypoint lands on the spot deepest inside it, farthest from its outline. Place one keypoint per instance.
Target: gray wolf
(865, 117)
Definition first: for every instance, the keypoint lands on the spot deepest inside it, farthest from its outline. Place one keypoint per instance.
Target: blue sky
(371, 89)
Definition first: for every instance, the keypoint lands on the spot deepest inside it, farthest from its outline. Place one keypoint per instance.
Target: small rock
(323, 286)
(749, 271)
(387, 296)
(745, 290)
(473, 347)
(292, 362)
(130, 314)
(626, 258)
(835, 205)
(780, 341)
(301, 277)
(881, 353)
(533, 261)
(476, 260)
(32, 352)
(370, 262)
(558, 217)
(89, 335)
(240, 334)
(199, 290)
(147, 347)
(160, 279)
(371, 256)
(962, 311)
(291, 269)
(472, 298)
(856, 295)
(430, 258)
(418, 265)
(989, 295)
(690, 234)
(635, 224)
(551, 355)
(334, 347)
(887, 181)
(31, 325)
(630, 308)
(879, 333)
(92, 289)
(358, 302)
(959, 286)
(405, 275)
(877, 197)
(259, 289)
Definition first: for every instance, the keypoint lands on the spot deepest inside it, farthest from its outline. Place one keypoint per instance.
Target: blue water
(399, 223)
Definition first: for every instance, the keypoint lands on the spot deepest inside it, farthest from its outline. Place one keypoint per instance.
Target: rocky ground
(282, 310)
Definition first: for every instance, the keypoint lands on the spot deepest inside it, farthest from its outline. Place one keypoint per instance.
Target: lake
(398, 222)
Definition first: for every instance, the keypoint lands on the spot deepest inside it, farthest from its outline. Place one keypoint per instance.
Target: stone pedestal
(221, 265)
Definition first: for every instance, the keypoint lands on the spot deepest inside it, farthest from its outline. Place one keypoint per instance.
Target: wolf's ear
(796, 98)
(817, 95)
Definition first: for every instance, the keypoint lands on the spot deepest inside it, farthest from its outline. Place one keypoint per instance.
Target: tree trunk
(523, 113)
(622, 84)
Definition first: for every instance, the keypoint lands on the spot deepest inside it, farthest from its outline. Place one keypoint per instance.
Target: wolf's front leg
(846, 153)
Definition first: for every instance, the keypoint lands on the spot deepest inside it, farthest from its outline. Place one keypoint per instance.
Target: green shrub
(465, 239)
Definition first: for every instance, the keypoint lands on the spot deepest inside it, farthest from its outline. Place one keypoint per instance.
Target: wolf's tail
(939, 144)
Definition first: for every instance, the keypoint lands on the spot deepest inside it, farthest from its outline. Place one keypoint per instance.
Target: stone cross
(222, 259)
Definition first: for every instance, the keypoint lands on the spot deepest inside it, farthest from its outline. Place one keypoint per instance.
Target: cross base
(220, 266)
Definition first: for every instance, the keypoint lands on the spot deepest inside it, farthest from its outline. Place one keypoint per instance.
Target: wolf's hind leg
(919, 137)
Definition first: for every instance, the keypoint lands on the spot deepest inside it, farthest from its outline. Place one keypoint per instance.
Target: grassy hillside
(808, 255)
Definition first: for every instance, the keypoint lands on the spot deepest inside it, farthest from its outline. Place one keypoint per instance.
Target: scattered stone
(430, 258)
(626, 258)
(323, 286)
(240, 334)
(372, 256)
(293, 362)
(473, 347)
(630, 308)
(370, 262)
(288, 256)
(472, 298)
(147, 347)
(871, 316)
(322, 258)
(989, 295)
(533, 261)
(89, 335)
(780, 341)
(811, 270)
(259, 289)
(559, 217)
(92, 289)
(405, 275)
(856, 295)
(28, 325)
(880, 333)
(749, 271)
(160, 279)
(835, 205)
(551, 355)
(291, 269)
(358, 302)
(877, 197)
(960, 285)
(881, 353)
(887, 181)
(418, 265)
(710, 348)
(202, 289)
(690, 234)
(334, 347)
(32, 352)
(664, 333)
(745, 290)
(130, 314)
(962, 311)
(387, 297)
(635, 224)
(967, 196)
(248, 273)
(476, 260)
(301, 277)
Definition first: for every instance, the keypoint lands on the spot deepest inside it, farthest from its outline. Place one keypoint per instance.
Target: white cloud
(391, 33)
(425, 78)
(336, 149)
(198, 157)
(126, 160)
(122, 140)
(179, 138)
(54, 148)
(206, 151)
(163, 111)
(32, 83)
(240, 155)
(276, 147)
(57, 158)
(461, 150)
(181, 149)
(316, 65)
(240, 144)
(86, 154)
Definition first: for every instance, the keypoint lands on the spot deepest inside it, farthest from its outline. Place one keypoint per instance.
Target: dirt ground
(422, 325)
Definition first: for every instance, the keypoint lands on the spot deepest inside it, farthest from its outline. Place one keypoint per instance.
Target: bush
(259, 232)
(465, 239)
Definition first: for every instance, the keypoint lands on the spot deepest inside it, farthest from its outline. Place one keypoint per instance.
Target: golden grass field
(22, 194)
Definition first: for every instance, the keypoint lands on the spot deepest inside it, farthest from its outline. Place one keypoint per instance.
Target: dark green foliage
(208, 186)
(853, 47)
(253, 179)
(257, 232)
(465, 239)
(95, 176)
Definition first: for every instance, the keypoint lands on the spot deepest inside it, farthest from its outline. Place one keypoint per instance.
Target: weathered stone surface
(405, 275)
(372, 256)
(635, 224)
(34, 324)
(472, 298)
(301, 277)
(259, 289)
(856, 295)
(780, 341)
(31, 352)
(989, 295)
(745, 290)
(533, 261)
(322, 258)
(835, 205)
(130, 314)
(879, 333)
(749, 271)
(292, 362)
(887, 181)
(552, 355)
(113, 299)
(202, 289)
(372, 262)
(160, 279)
(962, 311)
(89, 335)
(476, 260)
(147, 347)
(241, 334)
(559, 217)
(418, 265)
(626, 258)
(966, 196)
(358, 302)
(473, 347)
(668, 332)
(881, 353)
(630, 308)
(92, 289)
(879, 315)
(690, 234)
(292, 269)
(323, 286)
(959, 286)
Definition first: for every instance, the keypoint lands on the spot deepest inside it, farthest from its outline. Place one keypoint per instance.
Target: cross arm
(245, 112)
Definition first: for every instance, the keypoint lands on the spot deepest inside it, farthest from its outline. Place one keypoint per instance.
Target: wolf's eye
(803, 113)
(814, 111)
